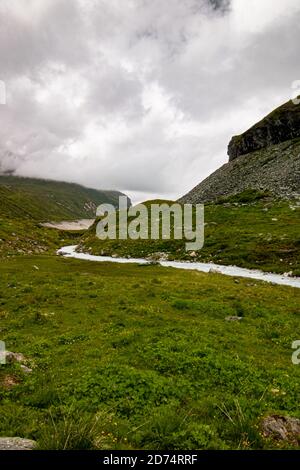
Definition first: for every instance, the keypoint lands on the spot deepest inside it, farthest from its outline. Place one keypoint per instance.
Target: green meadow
(141, 357)
(250, 230)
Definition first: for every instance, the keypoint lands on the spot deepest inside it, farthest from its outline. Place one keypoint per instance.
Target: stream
(70, 252)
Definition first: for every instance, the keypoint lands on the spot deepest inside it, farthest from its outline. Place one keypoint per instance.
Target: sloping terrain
(249, 230)
(275, 169)
(266, 158)
(45, 200)
(26, 202)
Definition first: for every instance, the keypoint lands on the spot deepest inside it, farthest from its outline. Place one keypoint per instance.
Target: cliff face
(265, 158)
(279, 126)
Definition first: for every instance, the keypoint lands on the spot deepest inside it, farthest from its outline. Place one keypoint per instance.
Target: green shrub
(75, 430)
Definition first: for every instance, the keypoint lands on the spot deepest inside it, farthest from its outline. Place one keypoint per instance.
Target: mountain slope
(264, 158)
(26, 202)
(45, 200)
(251, 214)
(275, 169)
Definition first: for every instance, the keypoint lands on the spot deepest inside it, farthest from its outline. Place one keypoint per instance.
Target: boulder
(282, 428)
(14, 357)
(16, 443)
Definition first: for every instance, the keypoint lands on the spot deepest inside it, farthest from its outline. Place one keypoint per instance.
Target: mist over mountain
(140, 96)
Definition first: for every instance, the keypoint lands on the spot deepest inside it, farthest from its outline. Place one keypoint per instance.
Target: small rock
(159, 256)
(233, 318)
(282, 428)
(14, 357)
(26, 369)
(214, 271)
(16, 443)
(61, 253)
(193, 254)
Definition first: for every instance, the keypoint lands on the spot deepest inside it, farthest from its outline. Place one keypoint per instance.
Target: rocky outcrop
(274, 169)
(279, 126)
(265, 158)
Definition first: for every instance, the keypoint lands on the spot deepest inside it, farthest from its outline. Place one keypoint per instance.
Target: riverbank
(235, 271)
(131, 357)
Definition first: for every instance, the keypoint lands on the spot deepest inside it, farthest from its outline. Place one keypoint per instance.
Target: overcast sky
(139, 95)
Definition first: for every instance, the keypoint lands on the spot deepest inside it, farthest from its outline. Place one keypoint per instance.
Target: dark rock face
(275, 169)
(279, 126)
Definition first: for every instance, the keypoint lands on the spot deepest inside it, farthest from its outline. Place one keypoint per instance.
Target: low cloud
(141, 96)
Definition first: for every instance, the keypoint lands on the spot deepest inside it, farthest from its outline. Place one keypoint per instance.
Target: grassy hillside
(144, 357)
(44, 200)
(19, 237)
(25, 202)
(249, 230)
(147, 351)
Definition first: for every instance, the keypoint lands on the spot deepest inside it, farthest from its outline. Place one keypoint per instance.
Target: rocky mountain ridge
(280, 125)
(264, 158)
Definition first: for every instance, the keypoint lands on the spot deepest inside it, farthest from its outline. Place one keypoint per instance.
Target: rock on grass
(16, 443)
(282, 428)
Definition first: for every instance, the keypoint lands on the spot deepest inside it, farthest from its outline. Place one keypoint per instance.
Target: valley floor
(128, 357)
(254, 234)
(254, 274)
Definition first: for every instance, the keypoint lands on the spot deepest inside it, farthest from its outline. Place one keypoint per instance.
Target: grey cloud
(141, 96)
(29, 42)
(113, 90)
